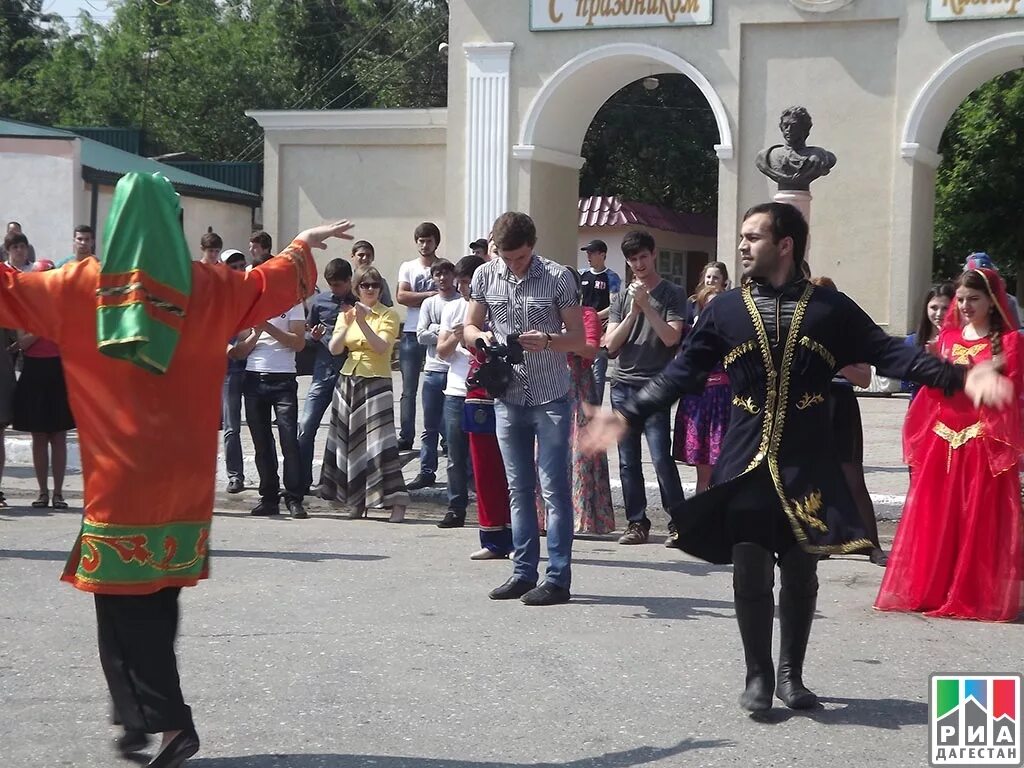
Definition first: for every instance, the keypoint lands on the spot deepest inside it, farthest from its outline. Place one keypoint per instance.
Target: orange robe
(148, 442)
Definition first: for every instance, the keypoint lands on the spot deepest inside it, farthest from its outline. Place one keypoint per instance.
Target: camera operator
(529, 300)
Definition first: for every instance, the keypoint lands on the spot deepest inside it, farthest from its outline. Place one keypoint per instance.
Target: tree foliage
(187, 70)
(980, 183)
(654, 146)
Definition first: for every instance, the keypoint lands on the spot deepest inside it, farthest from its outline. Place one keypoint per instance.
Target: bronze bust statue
(794, 165)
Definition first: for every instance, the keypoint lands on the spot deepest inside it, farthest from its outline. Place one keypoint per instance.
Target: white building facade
(880, 78)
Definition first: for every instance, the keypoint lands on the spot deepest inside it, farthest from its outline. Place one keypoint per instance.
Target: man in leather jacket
(777, 493)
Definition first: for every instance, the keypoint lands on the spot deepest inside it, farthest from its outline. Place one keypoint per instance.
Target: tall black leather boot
(797, 599)
(753, 577)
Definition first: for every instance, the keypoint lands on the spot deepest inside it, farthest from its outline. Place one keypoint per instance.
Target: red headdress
(997, 290)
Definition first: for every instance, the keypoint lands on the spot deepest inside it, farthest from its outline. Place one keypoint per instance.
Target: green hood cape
(146, 274)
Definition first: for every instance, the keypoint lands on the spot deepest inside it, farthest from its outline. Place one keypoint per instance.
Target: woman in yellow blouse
(361, 467)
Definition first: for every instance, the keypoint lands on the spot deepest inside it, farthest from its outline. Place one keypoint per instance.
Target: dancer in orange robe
(149, 440)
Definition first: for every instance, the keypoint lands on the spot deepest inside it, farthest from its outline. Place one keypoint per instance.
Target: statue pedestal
(801, 200)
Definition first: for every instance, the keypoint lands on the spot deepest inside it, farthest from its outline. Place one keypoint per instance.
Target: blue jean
(318, 400)
(277, 392)
(600, 369)
(411, 356)
(459, 466)
(434, 383)
(535, 439)
(231, 421)
(658, 431)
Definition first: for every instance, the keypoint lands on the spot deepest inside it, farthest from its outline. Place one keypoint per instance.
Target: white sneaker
(487, 554)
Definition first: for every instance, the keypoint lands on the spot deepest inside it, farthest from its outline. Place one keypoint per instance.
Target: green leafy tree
(980, 183)
(186, 71)
(654, 146)
(26, 34)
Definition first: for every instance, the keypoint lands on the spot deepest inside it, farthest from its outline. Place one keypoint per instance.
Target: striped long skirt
(361, 467)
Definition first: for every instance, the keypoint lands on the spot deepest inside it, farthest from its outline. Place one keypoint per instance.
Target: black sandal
(58, 502)
(42, 500)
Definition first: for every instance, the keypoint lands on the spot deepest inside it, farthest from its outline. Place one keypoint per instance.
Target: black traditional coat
(781, 348)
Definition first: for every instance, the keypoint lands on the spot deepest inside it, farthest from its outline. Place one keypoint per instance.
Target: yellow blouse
(362, 360)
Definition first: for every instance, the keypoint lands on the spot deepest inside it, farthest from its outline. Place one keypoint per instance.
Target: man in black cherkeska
(778, 492)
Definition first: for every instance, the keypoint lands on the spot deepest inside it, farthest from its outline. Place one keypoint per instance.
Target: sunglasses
(370, 286)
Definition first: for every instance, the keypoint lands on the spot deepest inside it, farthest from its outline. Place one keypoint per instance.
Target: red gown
(957, 551)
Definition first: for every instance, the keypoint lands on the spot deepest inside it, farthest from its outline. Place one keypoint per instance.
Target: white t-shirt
(270, 355)
(419, 280)
(453, 313)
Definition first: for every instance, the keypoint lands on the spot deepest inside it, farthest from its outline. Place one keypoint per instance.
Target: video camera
(495, 374)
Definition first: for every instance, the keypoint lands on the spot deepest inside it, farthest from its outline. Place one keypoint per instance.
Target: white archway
(949, 86)
(914, 186)
(559, 115)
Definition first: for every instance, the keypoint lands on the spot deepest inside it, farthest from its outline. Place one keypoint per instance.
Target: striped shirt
(533, 303)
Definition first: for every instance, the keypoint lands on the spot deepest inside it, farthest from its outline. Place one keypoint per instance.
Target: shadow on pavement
(302, 557)
(890, 714)
(678, 608)
(689, 567)
(625, 759)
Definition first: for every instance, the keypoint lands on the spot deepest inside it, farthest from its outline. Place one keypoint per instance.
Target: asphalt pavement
(330, 643)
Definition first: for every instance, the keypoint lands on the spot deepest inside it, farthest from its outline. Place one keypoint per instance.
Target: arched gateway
(527, 77)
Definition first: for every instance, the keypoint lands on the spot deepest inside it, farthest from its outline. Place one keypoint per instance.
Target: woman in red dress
(957, 551)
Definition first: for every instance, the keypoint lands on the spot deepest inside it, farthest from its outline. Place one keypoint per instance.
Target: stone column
(801, 200)
(487, 135)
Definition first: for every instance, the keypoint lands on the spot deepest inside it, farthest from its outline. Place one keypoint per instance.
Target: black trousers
(136, 640)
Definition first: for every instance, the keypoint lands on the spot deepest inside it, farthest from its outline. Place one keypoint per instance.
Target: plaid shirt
(533, 303)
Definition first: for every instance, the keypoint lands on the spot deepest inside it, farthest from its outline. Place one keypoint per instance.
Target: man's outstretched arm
(280, 283)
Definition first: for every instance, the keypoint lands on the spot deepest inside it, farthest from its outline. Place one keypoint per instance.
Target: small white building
(55, 179)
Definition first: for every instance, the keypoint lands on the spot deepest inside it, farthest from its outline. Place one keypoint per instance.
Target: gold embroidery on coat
(827, 356)
(771, 378)
(808, 508)
(747, 404)
(738, 352)
(963, 355)
(956, 439)
(808, 400)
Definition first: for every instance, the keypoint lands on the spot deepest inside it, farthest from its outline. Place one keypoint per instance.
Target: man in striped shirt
(525, 294)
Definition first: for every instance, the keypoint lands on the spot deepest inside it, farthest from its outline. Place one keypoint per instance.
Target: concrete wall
(384, 170)
(861, 70)
(42, 190)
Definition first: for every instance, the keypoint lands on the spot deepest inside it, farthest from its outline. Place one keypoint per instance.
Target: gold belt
(956, 439)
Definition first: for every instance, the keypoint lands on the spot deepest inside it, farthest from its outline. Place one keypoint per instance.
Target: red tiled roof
(609, 211)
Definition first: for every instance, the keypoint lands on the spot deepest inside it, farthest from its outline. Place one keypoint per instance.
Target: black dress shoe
(546, 594)
(236, 485)
(452, 520)
(512, 589)
(130, 742)
(422, 480)
(266, 509)
(181, 748)
(297, 511)
(405, 445)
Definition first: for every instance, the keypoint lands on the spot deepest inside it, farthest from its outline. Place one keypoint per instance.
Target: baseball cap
(979, 260)
(595, 245)
(231, 254)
